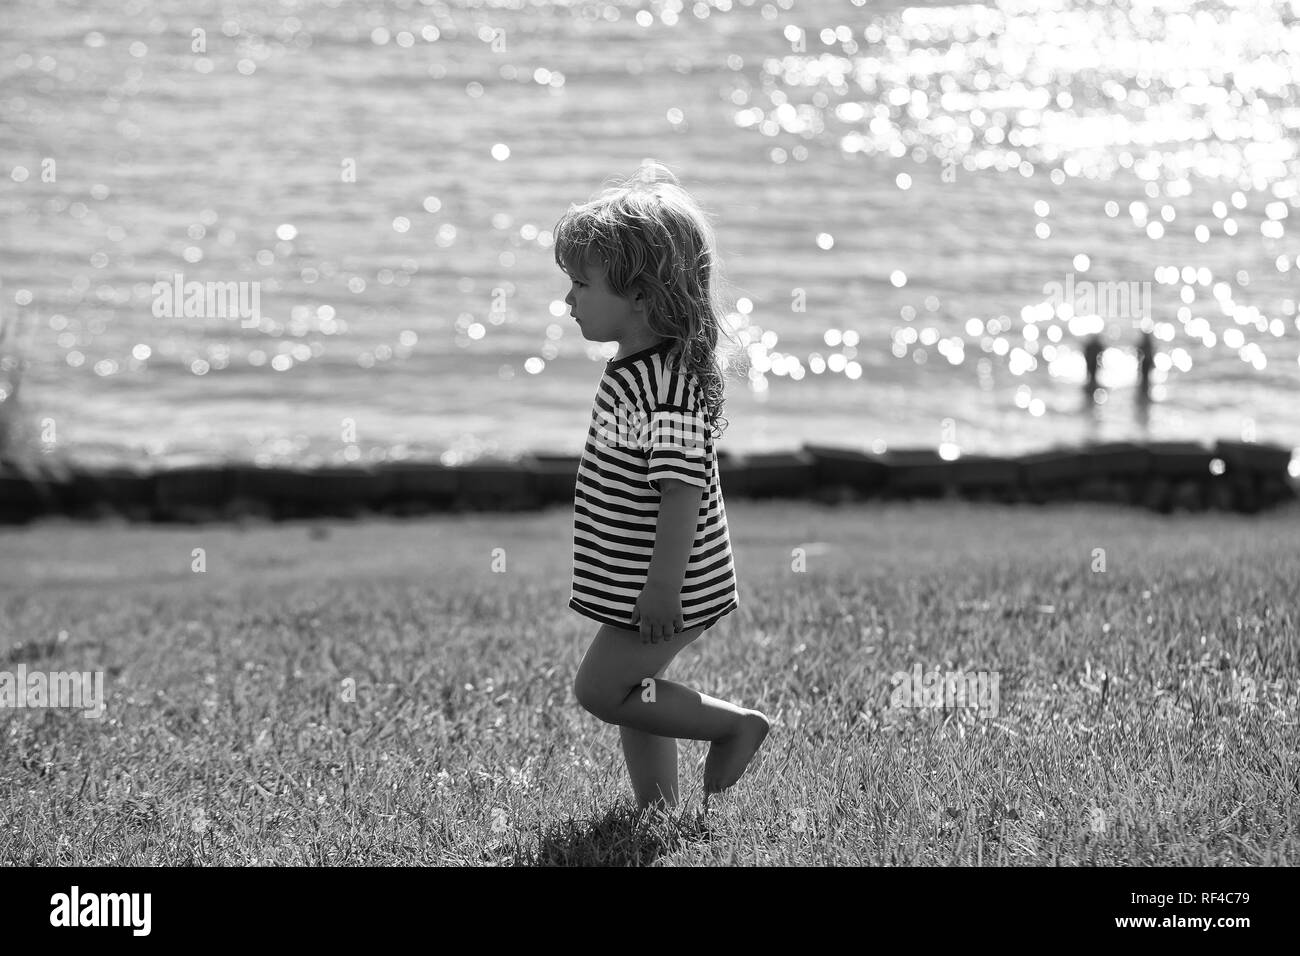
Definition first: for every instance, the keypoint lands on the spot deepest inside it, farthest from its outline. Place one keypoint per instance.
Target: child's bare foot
(729, 756)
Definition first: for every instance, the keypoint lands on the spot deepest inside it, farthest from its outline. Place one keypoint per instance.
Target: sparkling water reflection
(924, 211)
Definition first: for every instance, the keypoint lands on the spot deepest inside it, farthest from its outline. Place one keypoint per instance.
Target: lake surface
(895, 190)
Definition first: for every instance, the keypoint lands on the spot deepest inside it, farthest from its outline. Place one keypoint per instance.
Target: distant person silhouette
(1146, 360)
(1092, 350)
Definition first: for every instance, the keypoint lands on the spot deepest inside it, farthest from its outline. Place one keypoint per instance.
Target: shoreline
(1163, 476)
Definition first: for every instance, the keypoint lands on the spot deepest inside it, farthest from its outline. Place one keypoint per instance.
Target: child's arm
(679, 510)
(677, 467)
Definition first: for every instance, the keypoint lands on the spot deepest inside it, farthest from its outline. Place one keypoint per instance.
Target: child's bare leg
(610, 685)
(735, 732)
(652, 765)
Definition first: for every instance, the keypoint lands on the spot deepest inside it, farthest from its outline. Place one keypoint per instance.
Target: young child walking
(652, 559)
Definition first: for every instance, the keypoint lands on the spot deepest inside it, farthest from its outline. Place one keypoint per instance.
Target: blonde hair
(654, 238)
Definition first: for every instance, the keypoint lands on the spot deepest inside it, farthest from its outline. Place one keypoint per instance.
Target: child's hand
(658, 612)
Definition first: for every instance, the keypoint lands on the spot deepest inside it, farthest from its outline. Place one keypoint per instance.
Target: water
(893, 189)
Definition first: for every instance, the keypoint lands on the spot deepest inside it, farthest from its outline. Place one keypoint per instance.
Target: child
(652, 558)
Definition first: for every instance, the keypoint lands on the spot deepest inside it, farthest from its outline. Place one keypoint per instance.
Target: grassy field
(1146, 712)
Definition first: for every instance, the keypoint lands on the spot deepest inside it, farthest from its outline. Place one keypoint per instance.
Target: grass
(1121, 734)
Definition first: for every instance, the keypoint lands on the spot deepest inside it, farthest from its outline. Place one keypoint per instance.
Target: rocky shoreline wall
(1165, 477)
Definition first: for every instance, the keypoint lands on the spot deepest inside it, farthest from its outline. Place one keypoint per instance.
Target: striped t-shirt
(648, 423)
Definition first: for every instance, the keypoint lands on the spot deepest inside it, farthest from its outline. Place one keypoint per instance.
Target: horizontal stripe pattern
(647, 424)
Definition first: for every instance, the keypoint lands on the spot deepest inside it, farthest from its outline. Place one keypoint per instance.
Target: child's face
(601, 315)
